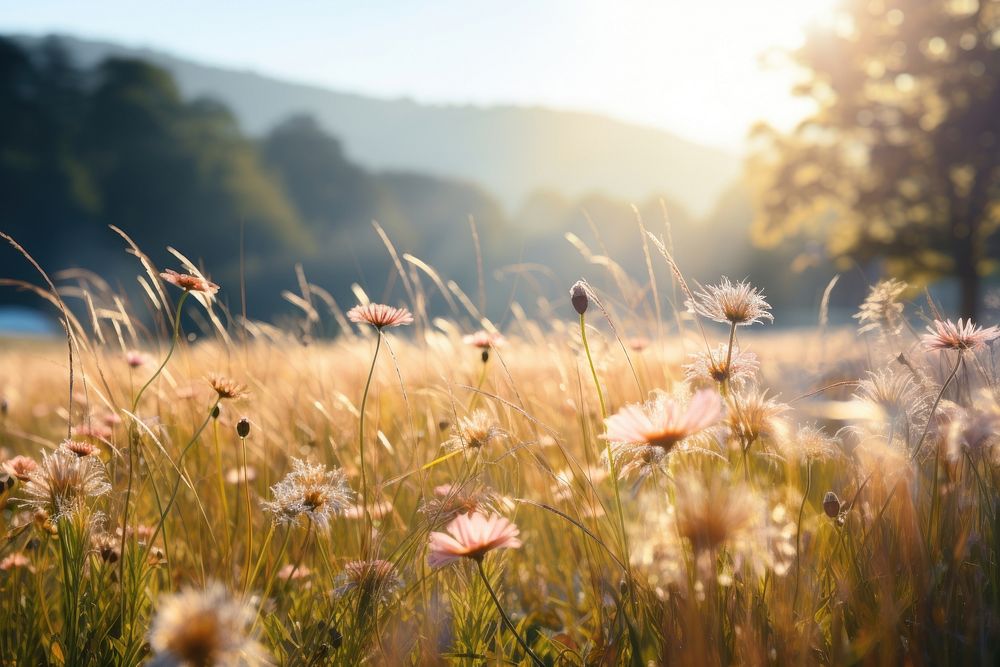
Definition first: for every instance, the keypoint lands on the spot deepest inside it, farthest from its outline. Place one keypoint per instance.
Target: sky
(693, 68)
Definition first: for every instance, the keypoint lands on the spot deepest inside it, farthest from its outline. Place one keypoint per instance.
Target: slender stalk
(503, 614)
(930, 415)
(611, 458)
(361, 445)
(729, 356)
(133, 442)
(246, 487)
(798, 535)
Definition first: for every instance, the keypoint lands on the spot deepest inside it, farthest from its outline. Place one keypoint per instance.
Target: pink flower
(484, 340)
(472, 536)
(20, 467)
(135, 358)
(189, 283)
(663, 422)
(379, 315)
(962, 336)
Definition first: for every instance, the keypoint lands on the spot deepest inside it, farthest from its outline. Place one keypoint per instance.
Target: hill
(510, 151)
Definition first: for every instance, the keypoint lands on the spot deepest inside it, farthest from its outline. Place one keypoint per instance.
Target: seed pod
(831, 505)
(486, 355)
(215, 412)
(243, 428)
(578, 297)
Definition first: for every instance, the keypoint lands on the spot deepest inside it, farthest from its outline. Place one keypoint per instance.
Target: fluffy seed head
(379, 315)
(377, 578)
(712, 512)
(311, 491)
(711, 366)
(739, 303)
(471, 536)
(63, 481)
(962, 336)
(204, 628)
(473, 433)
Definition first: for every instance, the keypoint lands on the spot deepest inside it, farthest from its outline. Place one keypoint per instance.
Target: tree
(901, 159)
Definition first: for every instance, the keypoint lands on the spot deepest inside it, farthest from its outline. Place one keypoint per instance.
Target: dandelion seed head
(63, 481)
(310, 491)
(964, 335)
(203, 628)
(377, 578)
(733, 303)
(474, 433)
(711, 367)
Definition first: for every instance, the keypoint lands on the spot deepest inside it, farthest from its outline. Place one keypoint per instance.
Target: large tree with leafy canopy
(901, 159)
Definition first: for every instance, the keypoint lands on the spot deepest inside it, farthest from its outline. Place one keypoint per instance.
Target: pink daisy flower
(379, 315)
(664, 422)
(472, 536)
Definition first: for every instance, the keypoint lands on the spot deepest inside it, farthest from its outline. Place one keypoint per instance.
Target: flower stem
(611, 458)
(246, 486)
(503, 614)
(365, 499)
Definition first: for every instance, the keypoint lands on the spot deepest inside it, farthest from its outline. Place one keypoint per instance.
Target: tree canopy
(901, 158)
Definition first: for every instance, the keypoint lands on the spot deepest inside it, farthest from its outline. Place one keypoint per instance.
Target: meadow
(642, 474)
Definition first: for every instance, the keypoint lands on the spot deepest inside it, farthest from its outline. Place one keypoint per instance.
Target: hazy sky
(690, 67)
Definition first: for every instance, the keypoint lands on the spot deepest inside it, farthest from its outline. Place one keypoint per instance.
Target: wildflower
(62, 481)
(962, 336)
(451, 500)
(310, 490)
(638, 343)
(713, 512)
(663, 422)
(20, 467)
(189, 283)
(290, 572)
(739, 304)
(813, 444)
(579, 297)
(377, 578)
(16, 560)
(972, 430)
(711, 366)
(378, 510)
(379, 315)
(227, 388)
(484, 340)
(473, 433)
(136, 359)
(204, 628)
(471, 536)
(756, 416)
(80, 449)
(881, 309)
(894, 394)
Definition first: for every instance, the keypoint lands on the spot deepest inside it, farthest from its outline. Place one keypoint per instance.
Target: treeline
(83, 149)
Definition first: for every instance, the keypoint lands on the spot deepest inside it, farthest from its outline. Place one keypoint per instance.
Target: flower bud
(215, 412)
(831, 505)
(243, 428)
(485, 355)
(578, 296)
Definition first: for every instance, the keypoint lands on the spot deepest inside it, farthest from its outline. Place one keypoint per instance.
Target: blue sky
(688, 67)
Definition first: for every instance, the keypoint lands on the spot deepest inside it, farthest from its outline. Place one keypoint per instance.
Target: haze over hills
(510, 151)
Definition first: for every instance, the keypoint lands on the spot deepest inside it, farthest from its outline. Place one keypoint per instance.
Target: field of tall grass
(639, 475)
